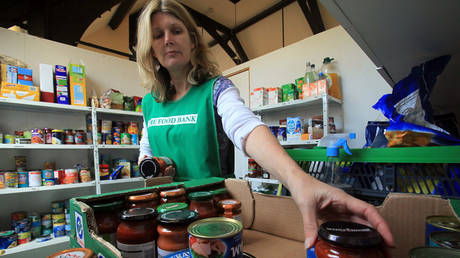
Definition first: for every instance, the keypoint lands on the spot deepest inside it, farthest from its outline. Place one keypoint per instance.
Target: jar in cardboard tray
(172, 231)
(107, 219)
(173, 195)
(348, 240)
(230, 208)
(219, 195)
(137, 232)
(202, 203)
(148, 200)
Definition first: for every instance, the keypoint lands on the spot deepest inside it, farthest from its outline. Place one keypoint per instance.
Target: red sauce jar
(172, 231)
(230, 209)
(148, 200)
(107, 219)
(174, 195)
(348, 240)
(69, 136)
(219, 195)
(137, 232)
(202, 203)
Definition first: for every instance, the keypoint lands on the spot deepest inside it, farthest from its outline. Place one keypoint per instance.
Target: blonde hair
(153, 74)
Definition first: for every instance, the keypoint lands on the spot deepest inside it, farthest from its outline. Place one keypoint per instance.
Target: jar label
(139, 250)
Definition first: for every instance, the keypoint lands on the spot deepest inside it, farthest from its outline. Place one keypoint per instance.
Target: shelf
(47, 146)
(118, 112)
(262, 180)
(40, 106)
(126, 147)
(34, 245)
(122, 181)
(299, 143)
(45, 188)
(293, 103)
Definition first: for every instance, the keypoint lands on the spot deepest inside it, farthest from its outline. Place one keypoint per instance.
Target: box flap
(240, 190)
(278, 215)
(266, 245)
(406, 214)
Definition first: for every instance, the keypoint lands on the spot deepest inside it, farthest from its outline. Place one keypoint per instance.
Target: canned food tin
(1, 137)
(11, 179)
(58, 218)
(219, 236)
(445, 239)
(22, 225)
(107, 138)
(80, 137)
(57, 137)
(20, 162)
(106, 126)
(125, 138)
(50, 182)
(38, 136)
(35, 178)
(69, 136)
(18, 215)
(47, 174)
(48, 135)
(429, 252)
(89, 138)
(2, 180)
(71, 176)
(440, 223)
(59, 229)
(8, 139)
(24, 237)
(134, 139)
(59, 176)
(85, 175)
(8, 239)
(23, 179)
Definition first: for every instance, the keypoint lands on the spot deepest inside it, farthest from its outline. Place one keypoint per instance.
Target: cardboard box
(46, 83)
(11, 74)
(289, 92)
(299, 87)
(77, 85)
(259, 97)
(17, 91)
(62, 88)
(294, 128)
(25, 76)
(3, 72)
(275, 96)
(273, 225)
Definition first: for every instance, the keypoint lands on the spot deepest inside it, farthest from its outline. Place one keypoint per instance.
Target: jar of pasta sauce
(202, 203)
(69, 136)
(219, 195)
(137, 232)
(173, 195)
(107, 219)
(230, 208)
(148, 200)
(347, 239)
(172, 231)
(80, 137)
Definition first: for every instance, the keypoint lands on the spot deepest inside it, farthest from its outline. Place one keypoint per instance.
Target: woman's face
(171, 42)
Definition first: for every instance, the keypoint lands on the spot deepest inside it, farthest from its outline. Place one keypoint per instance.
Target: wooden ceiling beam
(312, 15)
(121, 12)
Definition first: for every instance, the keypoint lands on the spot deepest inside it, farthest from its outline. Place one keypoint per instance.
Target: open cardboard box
(272, 224)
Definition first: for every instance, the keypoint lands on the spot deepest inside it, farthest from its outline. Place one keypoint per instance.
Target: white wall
(361, 85)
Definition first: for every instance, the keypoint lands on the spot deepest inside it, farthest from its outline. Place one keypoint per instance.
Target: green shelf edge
(435, 154)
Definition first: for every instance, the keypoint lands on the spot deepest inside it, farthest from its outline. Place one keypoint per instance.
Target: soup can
(125, 138)
(38, 136)
(59, 175)
(47, 174)
(428, 252)
(59, 229)
(8, 139)
(24, 237)
(11, 179)
(220, 236)
(85, 175)
(2, 180)
(134, 139)
(23, 179)
(57, 137)
(71, 176)
(440, 223)
(35, 178)
(445, 239)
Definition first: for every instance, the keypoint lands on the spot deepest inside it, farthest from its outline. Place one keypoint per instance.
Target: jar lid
(211, 228)
(230, 204)
(172, 206)
(138, 214)
(200, 196)
(57, 131)
(449, 239)
(107, 205)
(178, 217)
(143, 197)
(74, 252)
(173, 192)
(428, 252)
(149, 168)
(219, 191)
(349, 234)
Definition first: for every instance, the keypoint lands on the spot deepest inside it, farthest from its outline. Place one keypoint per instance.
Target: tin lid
(178, 217)
(200, 196)
(445, 222)
(349, 234)
(230, 204)
(219, 191)
(173, 192)
(219, 227)
(7, 233)
(149, 168)
(107, 206)
(448, 239)
(429, 252)
(143, 197)
(74, 252)
(172, 206)
(138, 214)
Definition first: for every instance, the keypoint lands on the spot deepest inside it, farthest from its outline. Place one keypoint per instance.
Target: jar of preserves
(58, 137)
(157, 166)
(348, 239)
(202, 203)
(219, 195)
(48, 135)
(107, 219)
(230, 209)
(148, 200)
(172, 231)
(172, 206)
(173, 195)
(80, 137)
(137, 232)
(69, 136)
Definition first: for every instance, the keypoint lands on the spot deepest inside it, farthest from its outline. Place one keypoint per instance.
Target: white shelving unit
(46, 188)
(47, 146)
(120, 181)
(299, 143)
(34, 245)
(121, 147)
(117, 112)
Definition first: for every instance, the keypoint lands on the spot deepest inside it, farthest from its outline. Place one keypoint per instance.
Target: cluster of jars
(152, 223)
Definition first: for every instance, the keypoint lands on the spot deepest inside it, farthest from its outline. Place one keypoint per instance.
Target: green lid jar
(172, 206)
(107, 219)
(202, 203)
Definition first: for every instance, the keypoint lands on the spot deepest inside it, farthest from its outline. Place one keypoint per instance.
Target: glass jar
(137, 232)
(69, 136)
(107, 219)
(219, 195)
(172, 231)
(348, 240)
(172, 206)
(48, 135)
(173, 195)
(58, 137)
(80, 137)
(38, 136)
(148, 200)
(202, 203)
(230, 209)
(157, 166)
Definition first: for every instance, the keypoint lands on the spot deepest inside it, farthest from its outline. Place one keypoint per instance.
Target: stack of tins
(21, 226)
(58, 218)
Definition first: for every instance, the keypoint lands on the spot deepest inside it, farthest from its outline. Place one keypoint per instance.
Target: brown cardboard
(263, 245)
(240, 190)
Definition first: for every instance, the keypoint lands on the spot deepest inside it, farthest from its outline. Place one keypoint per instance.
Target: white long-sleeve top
(238, 121)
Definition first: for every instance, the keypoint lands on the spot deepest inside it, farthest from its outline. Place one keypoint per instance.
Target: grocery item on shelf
(18, 91)
(62, 88)
(77, 85)
(275, 95)
(289, 92)
(294, 128)
(46, 83)
(259, 97)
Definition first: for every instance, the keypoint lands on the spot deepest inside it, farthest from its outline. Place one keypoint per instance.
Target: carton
(77, 85)
(299, 82)
(18, 91)
(289, 92)
(274, 96)
(46, 83)
(259, 97)
(25, 76)
(12, 74)
(273, 225)
(62, 88)
(3, 72)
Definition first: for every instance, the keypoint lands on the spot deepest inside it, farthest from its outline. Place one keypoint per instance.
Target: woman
(190, 106)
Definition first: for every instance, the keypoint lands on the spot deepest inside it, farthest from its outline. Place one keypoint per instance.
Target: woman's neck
(180, 84)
